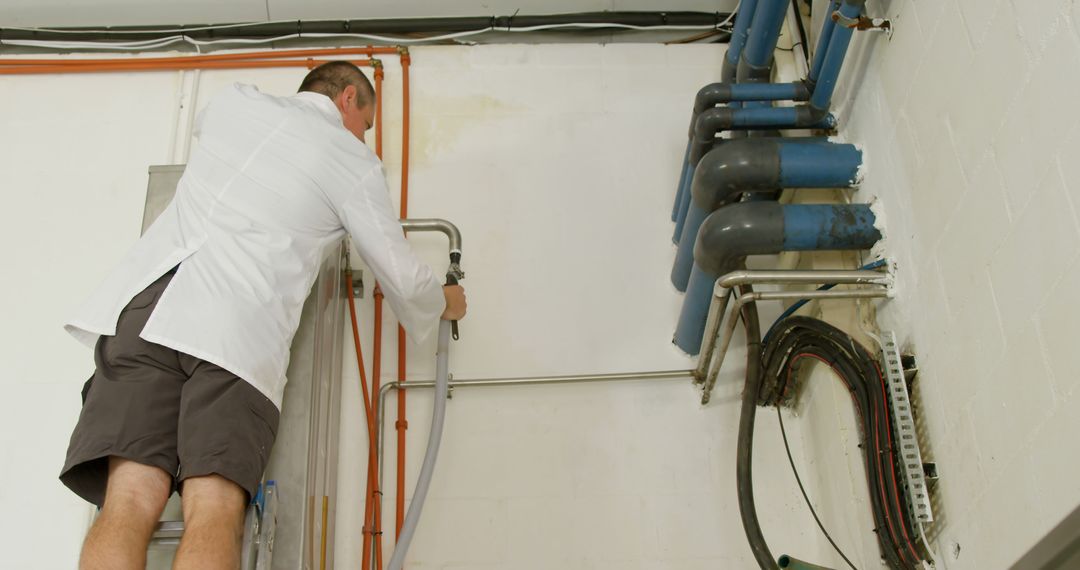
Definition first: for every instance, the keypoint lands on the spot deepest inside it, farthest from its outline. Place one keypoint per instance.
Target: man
(192, 330)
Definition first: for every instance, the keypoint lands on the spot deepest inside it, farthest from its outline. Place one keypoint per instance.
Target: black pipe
(365, 26)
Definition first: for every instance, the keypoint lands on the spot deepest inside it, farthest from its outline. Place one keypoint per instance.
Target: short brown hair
(333, 77)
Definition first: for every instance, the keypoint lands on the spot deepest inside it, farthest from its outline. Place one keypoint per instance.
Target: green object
(786, 561)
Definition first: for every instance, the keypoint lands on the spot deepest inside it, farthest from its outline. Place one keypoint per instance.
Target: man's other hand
(455, 302)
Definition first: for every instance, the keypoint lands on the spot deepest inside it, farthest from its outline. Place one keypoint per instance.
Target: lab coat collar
(323, 104)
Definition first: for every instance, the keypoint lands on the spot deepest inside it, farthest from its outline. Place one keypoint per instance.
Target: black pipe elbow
(737, 230)
(737, 166)
(712, 95)
(708, 123)
(809, 116)
(747, 73)
(708, 97)
(728, 70)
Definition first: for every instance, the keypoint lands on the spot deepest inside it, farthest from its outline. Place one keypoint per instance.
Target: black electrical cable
(802, 29)
(811, 345)
(254, 30)
(798, 338)
(744, 453)
(787, 448)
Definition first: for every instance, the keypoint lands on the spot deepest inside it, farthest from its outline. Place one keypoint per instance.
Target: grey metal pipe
(435, 225)
(802, 276)
(510, 381)
(754, 296)
(724, 285)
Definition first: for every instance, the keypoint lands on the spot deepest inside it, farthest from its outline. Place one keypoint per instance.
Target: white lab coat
(272, 183)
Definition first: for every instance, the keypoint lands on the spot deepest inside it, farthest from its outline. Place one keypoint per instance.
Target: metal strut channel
(904, 438)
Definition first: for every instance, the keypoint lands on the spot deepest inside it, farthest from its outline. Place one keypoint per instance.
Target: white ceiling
(62, 13)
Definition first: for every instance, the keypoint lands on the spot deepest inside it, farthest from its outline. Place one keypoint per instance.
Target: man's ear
(349, 95)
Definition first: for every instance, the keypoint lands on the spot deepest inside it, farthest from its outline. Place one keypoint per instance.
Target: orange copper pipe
(378, 109)
(370, 497)
(265, 54)
(402, 424)
(134, 65)
(372, 473)
(322, 540)
(376, 496)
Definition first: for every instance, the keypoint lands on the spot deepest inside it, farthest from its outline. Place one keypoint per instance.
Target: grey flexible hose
(408, 528)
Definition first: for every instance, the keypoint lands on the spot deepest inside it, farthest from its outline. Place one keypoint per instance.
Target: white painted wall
(559, 165)
(971, 149)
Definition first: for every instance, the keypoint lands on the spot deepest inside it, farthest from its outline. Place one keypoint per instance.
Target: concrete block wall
(973, 145)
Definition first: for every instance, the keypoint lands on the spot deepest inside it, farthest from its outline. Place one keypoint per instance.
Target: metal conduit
(753, 297)
(724, 285)
(435, 225)
(512, 381)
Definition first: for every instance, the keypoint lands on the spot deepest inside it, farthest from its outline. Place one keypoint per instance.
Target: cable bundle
(797, 340)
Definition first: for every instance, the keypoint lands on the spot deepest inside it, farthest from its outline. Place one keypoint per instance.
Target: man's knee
(213, 496)
(136, 489)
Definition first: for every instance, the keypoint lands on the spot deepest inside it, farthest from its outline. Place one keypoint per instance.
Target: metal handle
(452, 279)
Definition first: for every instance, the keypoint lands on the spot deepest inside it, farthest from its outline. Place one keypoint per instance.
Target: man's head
(350, 91)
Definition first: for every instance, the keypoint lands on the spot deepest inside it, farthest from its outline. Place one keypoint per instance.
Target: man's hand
(455, 302)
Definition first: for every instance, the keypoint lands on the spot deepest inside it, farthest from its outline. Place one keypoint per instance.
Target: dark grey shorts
(160, 407)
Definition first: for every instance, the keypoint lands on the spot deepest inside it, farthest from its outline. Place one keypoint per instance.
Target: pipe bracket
(864, 24)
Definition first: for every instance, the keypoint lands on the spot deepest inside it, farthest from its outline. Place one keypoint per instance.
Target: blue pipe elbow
(758, 165)
(733, 232)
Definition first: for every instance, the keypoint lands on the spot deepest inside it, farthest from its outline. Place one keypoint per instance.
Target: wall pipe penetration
(759, 165)
(731, 233)
(821, 79)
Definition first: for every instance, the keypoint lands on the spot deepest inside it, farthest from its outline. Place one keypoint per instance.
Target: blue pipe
(680, 190)
(769, 117)
(818, 163)
(719, 119)
(751, 228)
(758, 166)
(766, 91)
(834, 57)
(738, 39)
(824, 38)
(764, 33)
(812, 227)
(684, 201)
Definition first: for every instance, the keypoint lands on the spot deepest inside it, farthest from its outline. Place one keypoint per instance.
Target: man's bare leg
(134, 498)
(213, 524)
